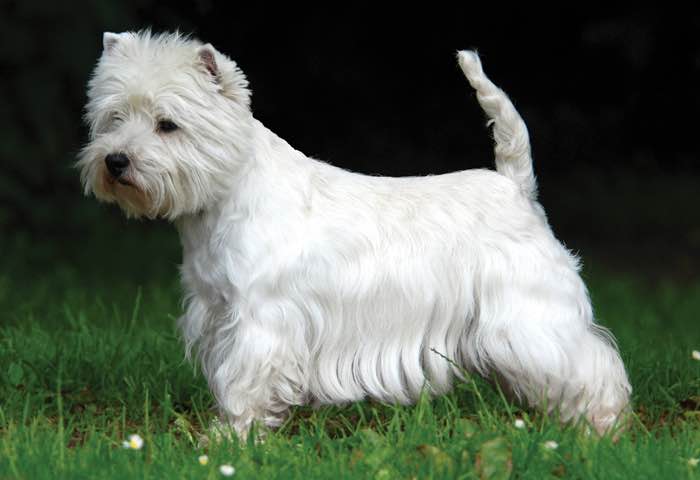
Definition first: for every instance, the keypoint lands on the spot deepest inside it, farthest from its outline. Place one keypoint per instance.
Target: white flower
(695, 355)
(519, 423)
(551, 445)
(203, 459)
(227, 470)
(693, 462)
(135, 442)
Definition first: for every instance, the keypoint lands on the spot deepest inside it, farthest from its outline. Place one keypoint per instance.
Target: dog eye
(167, 126)
(110, 122)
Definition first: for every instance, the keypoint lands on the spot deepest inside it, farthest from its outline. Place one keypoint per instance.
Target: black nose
(117, 163)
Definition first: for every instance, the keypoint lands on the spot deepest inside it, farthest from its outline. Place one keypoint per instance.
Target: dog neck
(271, 188)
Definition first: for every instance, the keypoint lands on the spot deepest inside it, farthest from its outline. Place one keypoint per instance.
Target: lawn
(89, 355)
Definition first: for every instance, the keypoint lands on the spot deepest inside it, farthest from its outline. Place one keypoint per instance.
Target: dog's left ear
(225, 73)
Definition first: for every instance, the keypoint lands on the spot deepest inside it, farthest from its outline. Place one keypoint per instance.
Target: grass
(89, 355)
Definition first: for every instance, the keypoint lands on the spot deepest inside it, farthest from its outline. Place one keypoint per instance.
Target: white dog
(309, 283)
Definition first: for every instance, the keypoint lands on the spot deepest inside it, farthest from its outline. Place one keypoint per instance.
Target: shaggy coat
(308, 283)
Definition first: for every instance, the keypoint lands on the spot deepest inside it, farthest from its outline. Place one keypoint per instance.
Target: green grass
(89, 354)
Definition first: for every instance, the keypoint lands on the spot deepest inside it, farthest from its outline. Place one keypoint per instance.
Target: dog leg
(551, 354)
(258, 376)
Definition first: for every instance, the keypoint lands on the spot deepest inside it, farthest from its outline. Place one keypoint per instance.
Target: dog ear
(109, 41)
(224, 72)
(207, 57)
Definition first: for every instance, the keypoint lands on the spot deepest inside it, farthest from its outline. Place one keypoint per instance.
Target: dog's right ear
(109, 41)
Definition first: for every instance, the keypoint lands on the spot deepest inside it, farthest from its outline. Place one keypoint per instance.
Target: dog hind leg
(549, 352)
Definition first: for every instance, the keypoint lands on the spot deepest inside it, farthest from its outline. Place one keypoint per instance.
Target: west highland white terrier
(307, 283)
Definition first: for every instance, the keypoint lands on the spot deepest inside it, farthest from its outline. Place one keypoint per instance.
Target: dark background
(611, 100)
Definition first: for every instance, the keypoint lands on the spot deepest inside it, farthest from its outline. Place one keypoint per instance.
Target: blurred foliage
(46, 51)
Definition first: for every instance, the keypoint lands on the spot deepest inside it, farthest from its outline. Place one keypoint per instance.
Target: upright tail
(512, 147)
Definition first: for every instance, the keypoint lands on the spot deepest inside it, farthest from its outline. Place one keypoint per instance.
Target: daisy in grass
(135, 442)
(227, 470)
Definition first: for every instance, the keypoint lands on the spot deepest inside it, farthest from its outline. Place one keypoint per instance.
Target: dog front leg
(259, 373)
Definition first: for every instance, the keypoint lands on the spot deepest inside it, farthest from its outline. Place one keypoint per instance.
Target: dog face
(169, 124)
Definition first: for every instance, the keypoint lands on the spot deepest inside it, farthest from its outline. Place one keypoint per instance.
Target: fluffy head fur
(308, 283)
(142, 79)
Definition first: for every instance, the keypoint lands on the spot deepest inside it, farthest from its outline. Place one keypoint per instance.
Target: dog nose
(116, 163)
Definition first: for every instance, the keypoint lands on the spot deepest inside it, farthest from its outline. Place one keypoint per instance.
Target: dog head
(169, 122)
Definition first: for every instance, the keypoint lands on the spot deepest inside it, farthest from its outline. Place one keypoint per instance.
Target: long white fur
(308, 283)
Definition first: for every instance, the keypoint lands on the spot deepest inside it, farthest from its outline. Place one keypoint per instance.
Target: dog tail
(512, 147)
